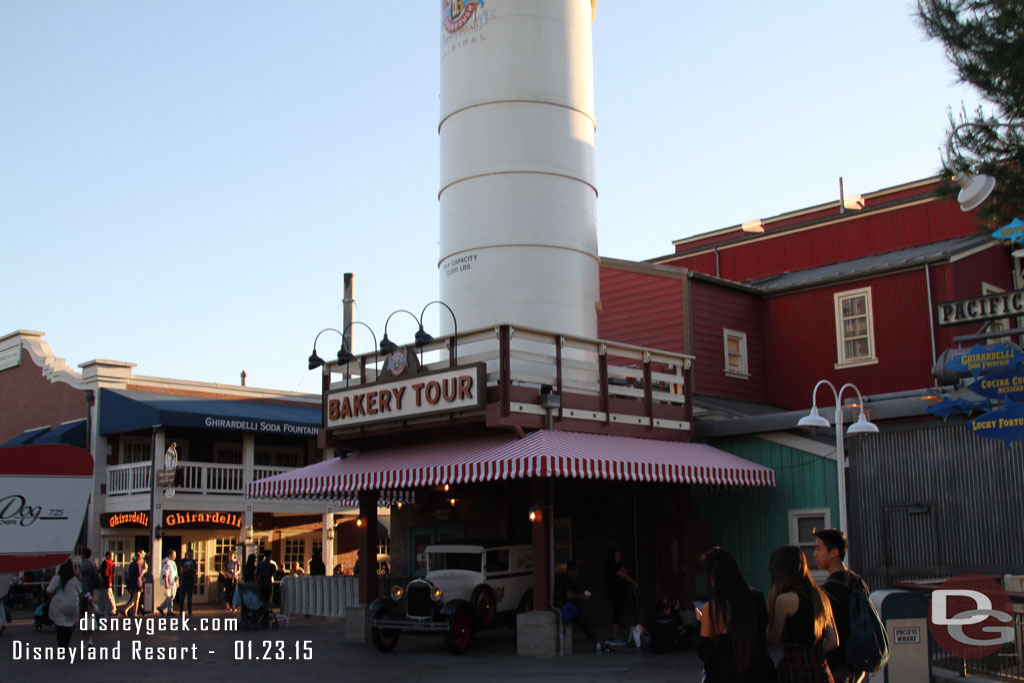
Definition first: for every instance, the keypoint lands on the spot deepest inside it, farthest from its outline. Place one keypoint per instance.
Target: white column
(249, 463)
(156, 517)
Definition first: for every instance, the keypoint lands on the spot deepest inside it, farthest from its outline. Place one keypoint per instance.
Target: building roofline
(789, 215)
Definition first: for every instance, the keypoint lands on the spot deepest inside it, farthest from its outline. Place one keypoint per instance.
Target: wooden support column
(541, 533)
(368, 547)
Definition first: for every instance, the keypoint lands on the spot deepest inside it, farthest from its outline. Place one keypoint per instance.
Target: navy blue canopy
(70, 433)
(129, 411)
(25, 438)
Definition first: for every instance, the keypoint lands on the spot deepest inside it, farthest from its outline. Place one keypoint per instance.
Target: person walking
(618, 582)
(733, 623)
(136, 580)
(169, 579)
(64, 591)
(830, 554)
(800, 618)
(189, 574)
(230, 579)
(103, 595)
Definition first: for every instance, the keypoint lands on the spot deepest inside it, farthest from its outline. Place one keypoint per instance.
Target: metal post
(840, 463)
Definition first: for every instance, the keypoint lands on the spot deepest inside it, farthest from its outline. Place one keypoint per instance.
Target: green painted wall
(752, 523)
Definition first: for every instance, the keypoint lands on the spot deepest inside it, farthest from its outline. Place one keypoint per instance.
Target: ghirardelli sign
(44, 492)
(418, 395)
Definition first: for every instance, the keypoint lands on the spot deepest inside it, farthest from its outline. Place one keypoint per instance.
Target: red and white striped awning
(496, 457)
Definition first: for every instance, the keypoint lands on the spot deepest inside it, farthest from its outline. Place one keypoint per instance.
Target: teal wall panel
(752, 523)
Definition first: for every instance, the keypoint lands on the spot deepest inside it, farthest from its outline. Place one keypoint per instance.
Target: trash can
(905, 616)
(147, 594)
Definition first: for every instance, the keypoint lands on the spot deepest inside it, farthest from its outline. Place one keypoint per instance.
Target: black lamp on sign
(388, 346)
(422, 338)
(316, 361)
(345, 355)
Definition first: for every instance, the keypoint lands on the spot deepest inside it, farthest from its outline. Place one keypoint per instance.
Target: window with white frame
(855, 336)
(735, 353)
(277, 456)
(802, 524)
(135, 450)
(294, 553)
(227, 453)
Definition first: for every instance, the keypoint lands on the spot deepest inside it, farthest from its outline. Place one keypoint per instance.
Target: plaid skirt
(804, 664)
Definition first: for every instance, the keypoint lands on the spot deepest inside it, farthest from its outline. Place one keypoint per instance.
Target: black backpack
(867, 646)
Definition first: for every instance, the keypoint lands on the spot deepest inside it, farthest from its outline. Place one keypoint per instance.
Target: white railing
(196, 477)
(319, 596)
(131, 478)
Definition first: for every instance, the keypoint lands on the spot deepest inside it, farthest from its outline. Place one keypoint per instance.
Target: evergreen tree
(984, 40)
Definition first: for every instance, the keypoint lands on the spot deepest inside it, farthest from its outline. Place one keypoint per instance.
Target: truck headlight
(436, 594)
(397, 592)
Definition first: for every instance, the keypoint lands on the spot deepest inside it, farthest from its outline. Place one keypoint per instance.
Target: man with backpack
(865, 650)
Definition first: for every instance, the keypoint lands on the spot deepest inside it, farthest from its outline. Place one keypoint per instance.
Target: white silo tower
(517, 195)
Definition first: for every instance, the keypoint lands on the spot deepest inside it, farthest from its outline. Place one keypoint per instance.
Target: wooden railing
(634, 378)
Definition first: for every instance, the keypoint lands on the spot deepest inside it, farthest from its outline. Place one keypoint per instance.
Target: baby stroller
(41, 617)
(256, 613)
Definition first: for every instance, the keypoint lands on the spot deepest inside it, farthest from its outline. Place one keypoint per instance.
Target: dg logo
(971, 616)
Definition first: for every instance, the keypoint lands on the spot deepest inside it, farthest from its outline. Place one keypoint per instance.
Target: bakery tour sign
(406, 395)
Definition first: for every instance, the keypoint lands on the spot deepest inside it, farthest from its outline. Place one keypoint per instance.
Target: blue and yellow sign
(984, 359)
(1013, 231)
(1006, 383)
(1004, 424)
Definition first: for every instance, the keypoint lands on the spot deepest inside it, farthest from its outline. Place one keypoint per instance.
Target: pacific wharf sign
(416, 396)
(978, 308)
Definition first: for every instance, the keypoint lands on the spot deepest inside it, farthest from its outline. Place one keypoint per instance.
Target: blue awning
(129, 411)
(70, 433)
(25, 438)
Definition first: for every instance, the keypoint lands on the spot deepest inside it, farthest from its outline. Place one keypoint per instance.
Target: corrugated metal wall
(935, 501)
(641, 309)
(801, 340)
(752, 523)
(854, 236)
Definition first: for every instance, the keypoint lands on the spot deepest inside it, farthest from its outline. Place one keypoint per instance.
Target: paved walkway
(314, 649)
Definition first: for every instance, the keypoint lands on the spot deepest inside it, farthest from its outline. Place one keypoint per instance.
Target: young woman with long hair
(64, 591)
(732, 625)
(800, 617)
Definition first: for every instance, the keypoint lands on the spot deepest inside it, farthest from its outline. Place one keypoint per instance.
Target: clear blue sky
(183, 184)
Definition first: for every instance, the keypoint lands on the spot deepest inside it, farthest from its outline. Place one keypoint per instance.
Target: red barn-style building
(850, 296)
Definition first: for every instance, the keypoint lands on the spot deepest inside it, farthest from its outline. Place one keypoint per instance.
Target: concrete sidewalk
(313, 649)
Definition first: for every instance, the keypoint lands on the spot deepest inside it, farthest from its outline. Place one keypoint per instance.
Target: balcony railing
(600, 381)
(196, 477)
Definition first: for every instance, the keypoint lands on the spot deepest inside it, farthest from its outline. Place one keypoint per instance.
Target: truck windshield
(470, 561)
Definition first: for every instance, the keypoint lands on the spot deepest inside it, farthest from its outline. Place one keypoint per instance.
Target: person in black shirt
(830, 554)
(316, 565)
(571, 593)
(733, 625)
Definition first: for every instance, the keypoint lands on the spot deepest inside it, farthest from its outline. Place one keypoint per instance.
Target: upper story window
(135, 450)
(735, 354)
(855, 335)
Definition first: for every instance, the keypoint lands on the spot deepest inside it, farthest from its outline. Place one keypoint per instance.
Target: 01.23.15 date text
(273, 650)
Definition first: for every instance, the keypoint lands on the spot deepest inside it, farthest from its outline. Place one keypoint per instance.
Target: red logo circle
(970, 616)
